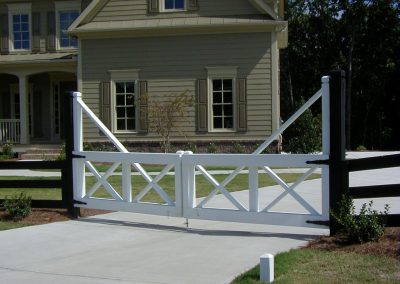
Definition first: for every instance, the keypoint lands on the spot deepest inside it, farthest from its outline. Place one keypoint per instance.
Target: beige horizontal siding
(171, 65)
(122, 10)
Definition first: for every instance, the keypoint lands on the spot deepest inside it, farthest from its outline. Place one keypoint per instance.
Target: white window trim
(131, 75)
(219, 73)
(163, 10)
(67, 6)
(19, 8)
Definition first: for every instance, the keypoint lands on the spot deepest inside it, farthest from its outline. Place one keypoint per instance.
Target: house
(225, 53)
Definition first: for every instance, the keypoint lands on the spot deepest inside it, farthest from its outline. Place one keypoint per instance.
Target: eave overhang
(167, 27)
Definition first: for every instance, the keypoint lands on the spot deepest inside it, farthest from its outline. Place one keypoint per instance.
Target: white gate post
(79, 165)
(325, 144)
(78, 141)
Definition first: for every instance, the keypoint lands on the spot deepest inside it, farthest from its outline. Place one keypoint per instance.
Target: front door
(14, 101)
(60, 91)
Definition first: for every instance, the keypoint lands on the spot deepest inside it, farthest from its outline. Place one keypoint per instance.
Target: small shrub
(18, 207)
(361, 148)
(62, 155)
(7, 152)
(212, 148)
(191, 147)
(87, 147)
(7, 149)
(238, 148)
(367, 226)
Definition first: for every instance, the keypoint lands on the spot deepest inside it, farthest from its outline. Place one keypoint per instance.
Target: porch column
(23, 107)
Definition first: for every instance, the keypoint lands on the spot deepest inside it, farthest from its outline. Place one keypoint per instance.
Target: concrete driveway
(134, 248)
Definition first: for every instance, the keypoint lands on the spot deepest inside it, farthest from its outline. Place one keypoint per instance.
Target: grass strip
(318, 266)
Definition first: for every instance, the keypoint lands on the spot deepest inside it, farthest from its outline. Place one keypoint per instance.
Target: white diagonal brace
(108, 187)
(276, 178)
(220, 188)
(290, 190)
(227, 180)
(102, 127)
(288, 122)
(149, 186)
(156, 187)
(105, 176)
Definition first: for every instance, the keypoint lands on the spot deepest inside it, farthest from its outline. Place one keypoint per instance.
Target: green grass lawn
(138, 183)
(34, 193)
(318, 266)
(8, 225)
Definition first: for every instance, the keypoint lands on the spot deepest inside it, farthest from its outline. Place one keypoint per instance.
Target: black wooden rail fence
(66, 168)
(38, 183)
(340, 167)
(376, 191)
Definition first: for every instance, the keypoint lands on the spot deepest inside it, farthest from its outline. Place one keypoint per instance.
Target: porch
(31, 107)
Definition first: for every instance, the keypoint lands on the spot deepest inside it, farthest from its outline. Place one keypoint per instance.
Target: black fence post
(338, 172)
(68, 190)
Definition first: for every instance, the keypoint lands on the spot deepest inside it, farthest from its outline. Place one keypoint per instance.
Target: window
(124, 98)
(20, 26)
(157, 6)
(174, 5)
(221, 98)
(21, 32)
(125, 106)
(66, 14)
(222, 104)
(66, 18)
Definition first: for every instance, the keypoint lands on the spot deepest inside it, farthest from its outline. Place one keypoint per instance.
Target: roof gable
(263, 6)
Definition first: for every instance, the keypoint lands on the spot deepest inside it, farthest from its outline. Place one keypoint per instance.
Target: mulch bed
(387, 245)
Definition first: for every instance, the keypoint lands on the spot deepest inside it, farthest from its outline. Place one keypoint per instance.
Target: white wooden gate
(252, 204)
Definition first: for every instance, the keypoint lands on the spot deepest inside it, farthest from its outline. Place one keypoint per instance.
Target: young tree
(164, 115)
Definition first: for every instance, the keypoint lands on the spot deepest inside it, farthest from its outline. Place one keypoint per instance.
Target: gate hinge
(79, 202)
(319, 162)
(319, 222)
(74, 156)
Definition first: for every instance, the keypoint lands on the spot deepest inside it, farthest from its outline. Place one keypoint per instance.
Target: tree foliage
(360, 37)
(305, 133)
(164, 115)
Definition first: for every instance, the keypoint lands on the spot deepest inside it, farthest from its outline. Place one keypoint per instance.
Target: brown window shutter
(36, 32)
(4, 48)
(143, 108)
(153, 6)
(51, 31)
(105, 103)
(192, 5)
(202, 106)
(84, 4)
(241, 99)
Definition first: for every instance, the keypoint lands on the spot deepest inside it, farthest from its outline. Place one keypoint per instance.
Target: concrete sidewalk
(134, 248)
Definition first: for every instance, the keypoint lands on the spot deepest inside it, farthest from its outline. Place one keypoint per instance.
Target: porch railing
(10, 131)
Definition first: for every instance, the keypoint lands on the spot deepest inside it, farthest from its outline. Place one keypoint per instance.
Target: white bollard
(267, 268)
